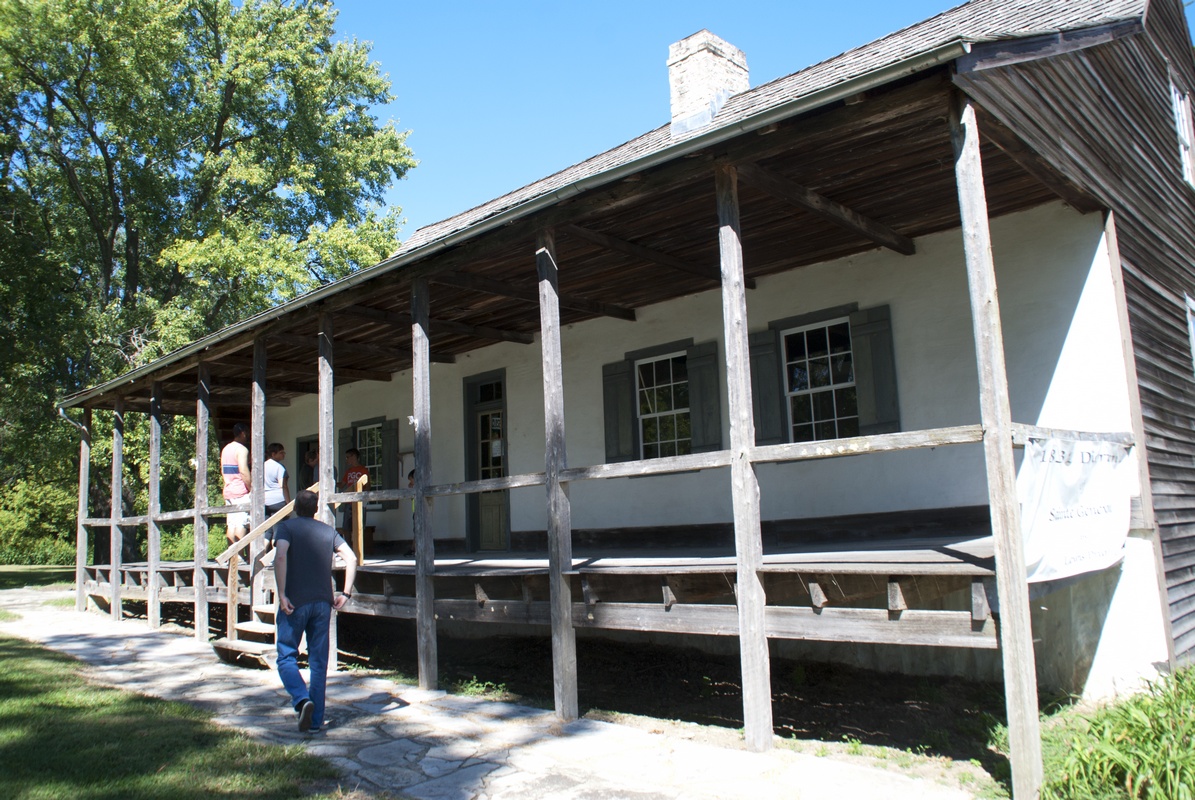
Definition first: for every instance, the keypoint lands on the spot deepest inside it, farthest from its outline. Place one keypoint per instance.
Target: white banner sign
(1074, 506)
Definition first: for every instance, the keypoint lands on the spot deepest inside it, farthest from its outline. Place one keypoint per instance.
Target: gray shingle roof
(976, 21)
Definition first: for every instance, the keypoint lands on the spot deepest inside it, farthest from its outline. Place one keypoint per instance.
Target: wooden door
(491, 463)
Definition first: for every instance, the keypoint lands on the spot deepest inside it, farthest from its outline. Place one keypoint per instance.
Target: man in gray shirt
(303, 570)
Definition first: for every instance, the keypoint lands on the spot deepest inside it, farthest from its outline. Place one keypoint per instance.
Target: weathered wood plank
(326, 349)
(650, 466)
(442, 325)
(1021, 434)
(560, 528)
(803, 197)
(257, 460)
(202, 420)
(154, 534)
(480, 283)
(116, 542)
(638, 251)
(1020, 678)
(748, 544)
(81, 535)
(425, 554)
(859, 445)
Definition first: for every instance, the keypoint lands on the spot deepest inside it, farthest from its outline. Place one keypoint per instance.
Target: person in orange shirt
(353, 470)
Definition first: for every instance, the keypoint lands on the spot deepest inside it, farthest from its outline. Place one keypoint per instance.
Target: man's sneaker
(306, 712)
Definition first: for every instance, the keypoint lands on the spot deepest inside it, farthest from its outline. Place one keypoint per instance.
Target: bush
(37, 523)
(1142, 747)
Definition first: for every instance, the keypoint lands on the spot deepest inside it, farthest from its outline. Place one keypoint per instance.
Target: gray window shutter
(618, 403)
(344, 440)
(875, 371)
(390, 465)
(767, 388)
(705, 399)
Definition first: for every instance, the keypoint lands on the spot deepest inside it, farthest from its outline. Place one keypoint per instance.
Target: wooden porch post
(154, 546)
(425, 542)
(1016, 637)
(748, 544)
(257, 464)
(560, 526)
(81, 535)
(116, 545)
(327, 449)
(202, 418)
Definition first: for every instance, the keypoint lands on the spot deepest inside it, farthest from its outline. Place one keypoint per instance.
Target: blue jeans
(312, 619)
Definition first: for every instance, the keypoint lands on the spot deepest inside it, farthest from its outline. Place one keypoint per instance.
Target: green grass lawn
(18, 577)
(62, 737)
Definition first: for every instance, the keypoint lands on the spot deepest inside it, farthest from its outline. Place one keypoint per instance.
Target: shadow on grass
(19, 577)
(61, 737)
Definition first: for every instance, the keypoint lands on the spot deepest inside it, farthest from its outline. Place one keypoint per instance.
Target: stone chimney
(703, 72)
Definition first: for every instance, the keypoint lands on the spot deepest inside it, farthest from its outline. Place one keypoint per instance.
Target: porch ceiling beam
(238, 395)
(480, 283)
(1028, 160)
(312, 368)
(441, 325)
(803, 197)
(642, 253)
(401, 355)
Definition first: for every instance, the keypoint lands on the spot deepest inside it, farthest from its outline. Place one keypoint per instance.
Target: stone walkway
(433, 746)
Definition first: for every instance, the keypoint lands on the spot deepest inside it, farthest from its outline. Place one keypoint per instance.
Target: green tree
(166, 168)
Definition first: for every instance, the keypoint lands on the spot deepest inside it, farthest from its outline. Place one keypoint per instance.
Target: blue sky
(499, 94)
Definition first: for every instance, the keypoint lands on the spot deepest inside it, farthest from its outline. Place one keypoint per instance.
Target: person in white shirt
(276, 482)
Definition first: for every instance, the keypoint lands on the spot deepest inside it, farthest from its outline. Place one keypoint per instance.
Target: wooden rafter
(311, 368)
(806, 198)
(646, 253)
(443, 325)
(480, 283)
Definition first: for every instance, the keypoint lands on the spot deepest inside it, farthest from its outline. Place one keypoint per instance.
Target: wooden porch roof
(841, 158)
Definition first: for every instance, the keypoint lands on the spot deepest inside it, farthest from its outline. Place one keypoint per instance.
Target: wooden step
(256, 628)
(233, 649)
(264, 611)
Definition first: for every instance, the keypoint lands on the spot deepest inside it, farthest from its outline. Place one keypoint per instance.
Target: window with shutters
(377, 441)
(369, 444)
(819, 379)
(1185, 126)
(662, 389)
(828, 374)
(663, 401)
(1191, 325)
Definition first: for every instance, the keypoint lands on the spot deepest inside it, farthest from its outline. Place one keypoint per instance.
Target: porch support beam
(748, 542)
(116, 538)
(805, 198)
(425, 553)
(560, 528)
(480, 283)
(257, 462)
(441, 325)
(327, 449)
(1020, 679)
(81, 536)
(638, 251)
(203, 415)
(154, 535)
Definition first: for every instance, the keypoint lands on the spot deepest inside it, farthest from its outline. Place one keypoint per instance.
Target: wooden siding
(1102, 117)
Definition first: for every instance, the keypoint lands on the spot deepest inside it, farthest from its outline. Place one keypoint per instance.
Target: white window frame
(376, 470)
(789, 394)
(1184, 124)
(675, 412)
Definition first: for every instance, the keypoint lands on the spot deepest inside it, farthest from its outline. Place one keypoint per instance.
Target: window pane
(824, 430)
(794, 346)
(819, 372)
(842, 368)
(840, 337)
(848, 427)
(680, 369)
(846, 404)
(664, 398)
(645, 401)
(798, 377)
(801, 409)
(651, 431)
(667, 428)
(684, 447)
(802, 433)
(651, 451)
(680, 394)
(823, 406)
(647, 376)
(668, 449)
(817, 342)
